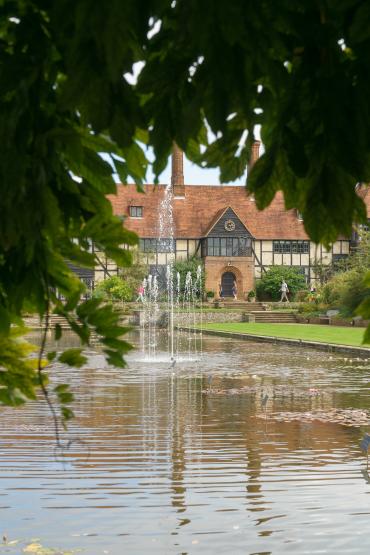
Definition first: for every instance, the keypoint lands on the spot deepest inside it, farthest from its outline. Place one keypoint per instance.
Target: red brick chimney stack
(255, 154)
(177, 176)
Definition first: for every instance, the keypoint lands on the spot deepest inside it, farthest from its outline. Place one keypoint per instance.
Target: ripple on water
(159, 465)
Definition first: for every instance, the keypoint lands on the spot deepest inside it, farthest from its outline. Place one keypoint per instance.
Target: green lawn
(306, 332)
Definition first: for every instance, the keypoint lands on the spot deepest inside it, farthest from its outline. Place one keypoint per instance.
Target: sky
(194, 175)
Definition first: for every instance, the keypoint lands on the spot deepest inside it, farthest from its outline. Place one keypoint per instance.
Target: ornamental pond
(249, 449)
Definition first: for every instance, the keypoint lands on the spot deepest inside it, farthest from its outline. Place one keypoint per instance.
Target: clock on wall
(229, 225)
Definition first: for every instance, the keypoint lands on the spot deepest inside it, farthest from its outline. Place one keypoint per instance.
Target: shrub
(333, 290)
(210, 294)
(114, 289)
(185, 266)
(302, 295)
(313, 308)
(353, 295)
(268, 287)
(346, 291)
(251, 295)
(133, 275)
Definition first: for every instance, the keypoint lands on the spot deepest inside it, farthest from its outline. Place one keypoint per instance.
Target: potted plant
(210, 296)
(251, 297)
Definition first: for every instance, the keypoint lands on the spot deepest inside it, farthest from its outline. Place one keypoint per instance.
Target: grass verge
(306, 332)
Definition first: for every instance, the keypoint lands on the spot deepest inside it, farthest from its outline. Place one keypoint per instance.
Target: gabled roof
(221, 213)
(216, 218)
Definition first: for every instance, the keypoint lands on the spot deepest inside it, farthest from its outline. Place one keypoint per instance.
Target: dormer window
(136, 211)
(299, 216)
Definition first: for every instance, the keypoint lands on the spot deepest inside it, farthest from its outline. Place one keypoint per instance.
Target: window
(339, 261)
(300, 247)
(282, 247)
(165, 245)
(136, 211)
(147, 245)
(291, 247)
(157, 245)
(227, 246)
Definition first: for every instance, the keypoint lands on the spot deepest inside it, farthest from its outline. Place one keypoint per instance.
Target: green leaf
(65, 398)
(295, 150)
(4, 321)
(61, 388)
(261, 180)
(67, 414)
(72, 357)
(122, 170)
(114, 358)
(359, 30)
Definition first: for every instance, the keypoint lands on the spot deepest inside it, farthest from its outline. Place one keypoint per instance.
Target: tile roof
(215, 219)
(202, 205)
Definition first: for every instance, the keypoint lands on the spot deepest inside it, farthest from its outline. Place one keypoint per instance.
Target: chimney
(255, 154)
(177, 176)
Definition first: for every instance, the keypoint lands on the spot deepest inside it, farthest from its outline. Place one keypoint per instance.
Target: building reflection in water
(174, 460)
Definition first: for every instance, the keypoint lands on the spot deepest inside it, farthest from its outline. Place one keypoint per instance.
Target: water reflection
(170, 469)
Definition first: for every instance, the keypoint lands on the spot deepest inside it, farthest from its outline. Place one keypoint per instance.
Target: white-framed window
(136, 211)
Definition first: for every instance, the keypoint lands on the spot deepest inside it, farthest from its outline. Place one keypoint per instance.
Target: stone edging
(328, 347)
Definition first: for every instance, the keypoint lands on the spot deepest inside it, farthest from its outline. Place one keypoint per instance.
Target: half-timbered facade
(221, 225)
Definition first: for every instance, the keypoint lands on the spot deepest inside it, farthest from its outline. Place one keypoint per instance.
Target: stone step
(34, 321)
(261, 318)
(248, 307)
(269, 317)
(275, 313)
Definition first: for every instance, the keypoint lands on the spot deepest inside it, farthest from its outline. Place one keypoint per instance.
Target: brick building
(221, 224)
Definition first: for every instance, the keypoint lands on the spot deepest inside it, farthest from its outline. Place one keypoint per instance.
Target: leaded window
(227, 246)
(291, 247)
(157, 245)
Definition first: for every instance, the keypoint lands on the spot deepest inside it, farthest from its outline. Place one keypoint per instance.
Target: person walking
(235, 291)
(140, 294)
(284, 291)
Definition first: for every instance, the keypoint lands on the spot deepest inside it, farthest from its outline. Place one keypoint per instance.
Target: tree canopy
(212, 71)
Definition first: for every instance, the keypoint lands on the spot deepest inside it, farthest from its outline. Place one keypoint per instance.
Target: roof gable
(218, 228)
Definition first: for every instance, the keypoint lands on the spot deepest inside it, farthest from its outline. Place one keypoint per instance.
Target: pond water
(160, 465)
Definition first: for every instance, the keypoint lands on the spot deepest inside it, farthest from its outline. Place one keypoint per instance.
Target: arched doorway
(227, 282)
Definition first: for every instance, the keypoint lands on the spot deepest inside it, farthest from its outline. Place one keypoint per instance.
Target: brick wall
(242, 267)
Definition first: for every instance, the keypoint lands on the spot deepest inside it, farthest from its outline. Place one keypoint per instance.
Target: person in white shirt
(284, 290)
(235, 291)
